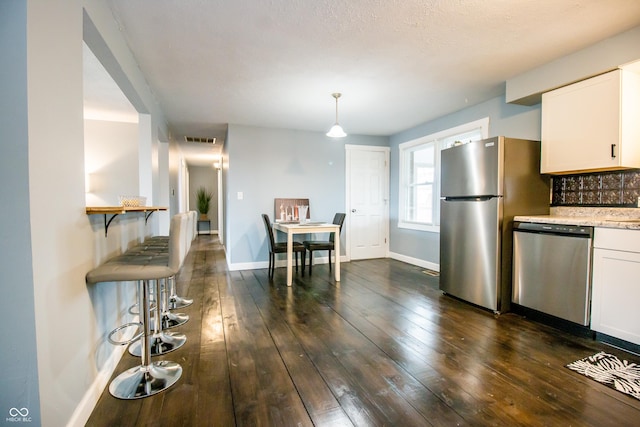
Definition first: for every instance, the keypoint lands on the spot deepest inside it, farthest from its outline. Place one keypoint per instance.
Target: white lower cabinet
(616, 284)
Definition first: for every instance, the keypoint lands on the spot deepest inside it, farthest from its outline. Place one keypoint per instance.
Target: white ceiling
(398, 63)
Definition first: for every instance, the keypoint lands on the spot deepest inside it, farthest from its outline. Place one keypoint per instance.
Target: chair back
(269, 229)
(338, 219)
(186, 236)
(193, 220)
(185, 243)
(176, 241)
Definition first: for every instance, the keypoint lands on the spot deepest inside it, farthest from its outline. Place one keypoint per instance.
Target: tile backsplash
(610, 189)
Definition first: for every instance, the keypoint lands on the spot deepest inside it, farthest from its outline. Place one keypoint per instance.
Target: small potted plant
(204, 199)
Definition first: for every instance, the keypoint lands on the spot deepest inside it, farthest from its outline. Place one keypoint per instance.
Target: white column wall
(61, 235)
(145, 165)
(162, 187)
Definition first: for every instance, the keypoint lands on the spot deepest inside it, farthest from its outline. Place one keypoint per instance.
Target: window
(419, 206)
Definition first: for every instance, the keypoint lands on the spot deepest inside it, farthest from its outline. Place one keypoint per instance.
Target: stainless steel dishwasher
(552, 269)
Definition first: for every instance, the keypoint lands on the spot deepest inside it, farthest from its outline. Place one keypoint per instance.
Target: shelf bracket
(106, 224)
(114, 211)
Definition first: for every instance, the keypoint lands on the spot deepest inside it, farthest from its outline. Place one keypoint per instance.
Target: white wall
(112, 161)
(183, 185)
(175, 160)
(265, 164)
(606, 55)
(145, 158)
(162, 190)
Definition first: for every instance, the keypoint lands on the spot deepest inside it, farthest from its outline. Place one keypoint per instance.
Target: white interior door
(367, 201)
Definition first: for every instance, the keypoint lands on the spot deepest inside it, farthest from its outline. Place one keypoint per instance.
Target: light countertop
(594, 217)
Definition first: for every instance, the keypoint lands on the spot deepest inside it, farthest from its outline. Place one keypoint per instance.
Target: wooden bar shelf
(114, 211)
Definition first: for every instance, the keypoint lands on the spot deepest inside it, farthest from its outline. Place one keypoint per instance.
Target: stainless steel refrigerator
(484, 184)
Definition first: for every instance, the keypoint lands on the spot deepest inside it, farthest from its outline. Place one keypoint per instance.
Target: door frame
(220, 202)
(349, 148)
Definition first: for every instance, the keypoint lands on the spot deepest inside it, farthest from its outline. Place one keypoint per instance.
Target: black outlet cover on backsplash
(601, 189)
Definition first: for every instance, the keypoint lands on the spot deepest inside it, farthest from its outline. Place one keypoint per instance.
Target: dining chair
(280, 247)
(324, 245)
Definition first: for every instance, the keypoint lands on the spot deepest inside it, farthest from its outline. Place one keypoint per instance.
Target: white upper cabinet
(592, 125)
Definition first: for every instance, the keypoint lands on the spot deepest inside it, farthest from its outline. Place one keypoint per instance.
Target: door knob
(353, 210)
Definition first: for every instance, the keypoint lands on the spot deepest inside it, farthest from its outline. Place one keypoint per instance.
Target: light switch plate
(240, 195)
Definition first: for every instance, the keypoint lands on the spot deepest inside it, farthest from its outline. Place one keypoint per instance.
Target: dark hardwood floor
(384, 347)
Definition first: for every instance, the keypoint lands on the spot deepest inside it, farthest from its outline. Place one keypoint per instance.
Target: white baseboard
(246, 265)
(415, 261)
(324, 260)
(88, 402)
(208, 233)
(279, 263)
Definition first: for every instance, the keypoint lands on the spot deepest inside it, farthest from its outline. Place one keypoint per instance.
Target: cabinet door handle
(613, 151)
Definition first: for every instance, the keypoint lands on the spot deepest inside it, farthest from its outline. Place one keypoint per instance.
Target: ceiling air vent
(200, 140)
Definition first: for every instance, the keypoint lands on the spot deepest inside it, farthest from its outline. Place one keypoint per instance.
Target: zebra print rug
(607, 369)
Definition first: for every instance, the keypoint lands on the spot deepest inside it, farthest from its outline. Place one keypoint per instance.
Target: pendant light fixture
(336, 130)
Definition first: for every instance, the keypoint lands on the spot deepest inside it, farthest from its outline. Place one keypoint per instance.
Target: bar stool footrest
(160, 343)
(173, 320)
(176, 302)
(125, 326)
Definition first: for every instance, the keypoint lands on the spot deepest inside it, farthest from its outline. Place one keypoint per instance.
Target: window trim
(434, 138)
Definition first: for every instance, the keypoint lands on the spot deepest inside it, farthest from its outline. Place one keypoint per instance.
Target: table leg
(336, 243)
(289, 259)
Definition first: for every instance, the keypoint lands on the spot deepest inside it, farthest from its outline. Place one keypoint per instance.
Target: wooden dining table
(304, 228)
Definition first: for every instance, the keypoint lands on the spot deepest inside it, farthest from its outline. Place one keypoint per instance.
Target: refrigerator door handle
(469, 199)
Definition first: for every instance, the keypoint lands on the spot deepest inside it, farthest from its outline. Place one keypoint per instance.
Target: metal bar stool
(149, 377)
